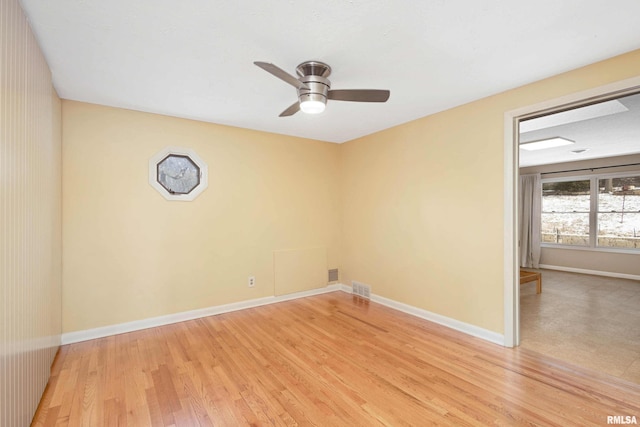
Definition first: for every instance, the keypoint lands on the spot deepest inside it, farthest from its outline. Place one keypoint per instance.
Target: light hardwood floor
(327, 360)
(589, 321)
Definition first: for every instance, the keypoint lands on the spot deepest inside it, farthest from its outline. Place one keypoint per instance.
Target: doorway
(511, 177)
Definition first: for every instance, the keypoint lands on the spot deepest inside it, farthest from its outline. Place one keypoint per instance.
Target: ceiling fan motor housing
(318, 89)
(313, 68)
(314, 74)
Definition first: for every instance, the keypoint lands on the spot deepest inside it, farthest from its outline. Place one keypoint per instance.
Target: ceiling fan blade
(281, 74)
(360, 95)
(293, 108)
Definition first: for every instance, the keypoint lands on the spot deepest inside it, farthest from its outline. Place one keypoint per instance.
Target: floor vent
(361, 290)
(333, 275)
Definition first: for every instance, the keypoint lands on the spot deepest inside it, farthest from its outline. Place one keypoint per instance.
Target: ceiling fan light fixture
(314, 88)
(312, 103)
(312, 107)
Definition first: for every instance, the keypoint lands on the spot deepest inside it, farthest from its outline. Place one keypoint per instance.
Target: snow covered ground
(618, 219)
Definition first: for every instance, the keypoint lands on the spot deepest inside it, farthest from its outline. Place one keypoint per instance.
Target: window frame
(589, 212)
(593, 212)
(188, 159)
(159, 157)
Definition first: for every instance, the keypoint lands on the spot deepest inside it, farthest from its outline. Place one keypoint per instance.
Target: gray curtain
(529, 211)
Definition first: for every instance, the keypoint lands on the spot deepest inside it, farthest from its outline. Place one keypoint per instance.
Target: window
(565, 212)
(619, 212)
(600, 211)
(178, 174)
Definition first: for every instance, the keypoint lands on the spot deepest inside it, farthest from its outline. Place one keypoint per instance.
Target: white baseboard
(136, 325)
(457, 325)
(592, 272)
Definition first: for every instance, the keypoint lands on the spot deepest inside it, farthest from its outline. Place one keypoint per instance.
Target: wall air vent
(333, 275)
(361, 290)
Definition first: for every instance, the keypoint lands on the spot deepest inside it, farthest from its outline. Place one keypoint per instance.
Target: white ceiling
(194, 58)
(603, 132)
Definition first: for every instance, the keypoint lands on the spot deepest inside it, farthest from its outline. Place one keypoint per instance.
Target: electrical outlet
(252, 281)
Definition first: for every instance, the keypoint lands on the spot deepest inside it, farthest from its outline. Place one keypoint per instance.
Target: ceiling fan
(314, 88)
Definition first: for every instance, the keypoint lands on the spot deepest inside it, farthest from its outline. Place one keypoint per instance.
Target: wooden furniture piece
(530, 276)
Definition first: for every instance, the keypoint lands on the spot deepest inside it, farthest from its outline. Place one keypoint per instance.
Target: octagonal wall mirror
(178, 174)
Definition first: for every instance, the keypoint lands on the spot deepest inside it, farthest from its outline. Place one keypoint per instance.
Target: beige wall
(415, 211)
(30, 219)
(129, 254)
(423, 202)
(611, 262)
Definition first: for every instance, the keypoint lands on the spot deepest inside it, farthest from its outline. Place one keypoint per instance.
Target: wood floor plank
(325, 360)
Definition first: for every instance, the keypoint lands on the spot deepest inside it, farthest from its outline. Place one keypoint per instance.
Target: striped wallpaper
(30, 219)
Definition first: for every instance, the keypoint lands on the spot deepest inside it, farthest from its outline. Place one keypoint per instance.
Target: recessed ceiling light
(541, 144)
